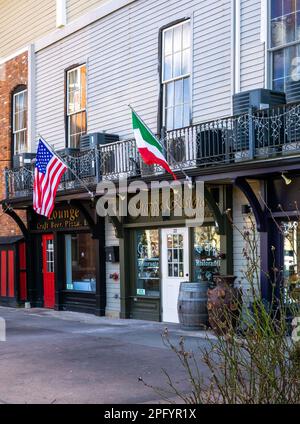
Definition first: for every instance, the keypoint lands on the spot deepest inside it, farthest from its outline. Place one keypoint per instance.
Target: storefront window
(147, 247)
(207, 257)
(291, 231)
(175, 255)
(50, 255)
(80, 262)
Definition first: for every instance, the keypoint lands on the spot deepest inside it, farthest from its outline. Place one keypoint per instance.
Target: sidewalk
(68, 357)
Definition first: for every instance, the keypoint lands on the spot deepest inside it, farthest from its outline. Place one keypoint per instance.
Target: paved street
(66, 357)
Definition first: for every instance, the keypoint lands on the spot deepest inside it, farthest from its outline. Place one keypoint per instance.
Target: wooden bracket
(260, 216)
(218, 215)
(92, 224)
(118, 225)
(9, 211)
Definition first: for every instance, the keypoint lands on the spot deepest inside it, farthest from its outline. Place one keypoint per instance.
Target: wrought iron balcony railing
(257, 135)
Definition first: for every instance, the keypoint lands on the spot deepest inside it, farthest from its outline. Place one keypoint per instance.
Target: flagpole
(163, 146)
(68, 167)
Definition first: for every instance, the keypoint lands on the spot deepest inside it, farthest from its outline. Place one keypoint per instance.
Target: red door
(48, 270)
(7, 275)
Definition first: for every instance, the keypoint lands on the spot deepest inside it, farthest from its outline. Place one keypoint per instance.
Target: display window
(207, 255)
(148, 263)
(291, 261)
(80, 262)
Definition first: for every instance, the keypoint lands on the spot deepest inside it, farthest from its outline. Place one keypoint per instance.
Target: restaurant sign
(61, 218)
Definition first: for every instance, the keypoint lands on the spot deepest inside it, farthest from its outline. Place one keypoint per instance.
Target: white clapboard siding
(76, 8)
(240, 223)
(112, 286)
(121, 51)
(23, 21)
(252, 48)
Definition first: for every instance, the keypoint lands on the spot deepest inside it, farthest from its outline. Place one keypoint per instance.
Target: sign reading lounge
(61, 218)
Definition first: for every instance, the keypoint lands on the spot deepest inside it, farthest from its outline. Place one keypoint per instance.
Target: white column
(31, 99)
(61, 13)
(236, 46)
(264, 23)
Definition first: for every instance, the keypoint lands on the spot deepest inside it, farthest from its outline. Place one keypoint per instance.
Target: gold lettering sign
(156, 207)
(59, 220)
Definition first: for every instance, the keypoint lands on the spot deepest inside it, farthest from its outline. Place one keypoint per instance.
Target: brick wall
(12, 73)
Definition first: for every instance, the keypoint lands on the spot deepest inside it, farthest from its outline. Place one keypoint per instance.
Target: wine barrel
(192, 305)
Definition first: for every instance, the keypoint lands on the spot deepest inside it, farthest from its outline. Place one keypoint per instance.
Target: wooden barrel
(192, 305)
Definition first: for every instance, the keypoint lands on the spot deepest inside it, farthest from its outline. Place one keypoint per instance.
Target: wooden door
(48, 270)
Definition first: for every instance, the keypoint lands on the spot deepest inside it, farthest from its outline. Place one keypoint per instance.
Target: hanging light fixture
(287, 180)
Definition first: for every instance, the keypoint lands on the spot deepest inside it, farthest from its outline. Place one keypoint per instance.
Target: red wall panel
(3, 273)
(11, 273)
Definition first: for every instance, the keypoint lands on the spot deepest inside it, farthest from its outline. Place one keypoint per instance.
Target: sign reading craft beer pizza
(68, 217)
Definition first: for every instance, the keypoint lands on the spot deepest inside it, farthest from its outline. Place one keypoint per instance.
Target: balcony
(231, 141)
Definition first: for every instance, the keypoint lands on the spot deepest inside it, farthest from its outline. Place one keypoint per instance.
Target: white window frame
(50, 255)
(24, 129)
(181, 77)
(270, 49)
(77, 69)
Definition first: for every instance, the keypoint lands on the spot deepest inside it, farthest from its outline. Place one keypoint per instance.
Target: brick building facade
(13, 73)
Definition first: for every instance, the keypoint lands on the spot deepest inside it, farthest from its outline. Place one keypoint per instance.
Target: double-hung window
(176, 75)
(285, 43)
(20, 121)
(76, 105)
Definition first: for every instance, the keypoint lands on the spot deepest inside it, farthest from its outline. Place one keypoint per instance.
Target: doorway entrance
(48, 270)
(175, 269)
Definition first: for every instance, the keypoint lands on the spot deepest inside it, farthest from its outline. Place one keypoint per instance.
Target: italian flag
(149, 147)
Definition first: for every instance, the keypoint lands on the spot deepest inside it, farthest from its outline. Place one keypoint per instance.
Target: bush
(258, 363)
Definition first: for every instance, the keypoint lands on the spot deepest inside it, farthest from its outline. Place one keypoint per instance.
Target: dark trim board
(145, 309)
(78, 302)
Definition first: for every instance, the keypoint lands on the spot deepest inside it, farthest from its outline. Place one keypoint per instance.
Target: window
(20, 121)
(176, 75)
(80, 262)
(291, 233)
(76, 105)
(175, 255)
(206, 253)
(148, 277)
(285, 42)
(50, 255)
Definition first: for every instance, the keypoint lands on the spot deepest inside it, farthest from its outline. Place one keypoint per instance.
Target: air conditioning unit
(90, 141)
(177, 148)
(210, 145)
(68, 151)
(258, 99)
(108, 162)
(68, 176)
(23, 160)
(293, 91)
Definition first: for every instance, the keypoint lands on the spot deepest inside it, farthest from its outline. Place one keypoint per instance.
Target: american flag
(47, 175)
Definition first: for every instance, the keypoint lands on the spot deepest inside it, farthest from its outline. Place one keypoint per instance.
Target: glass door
(175, 269)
